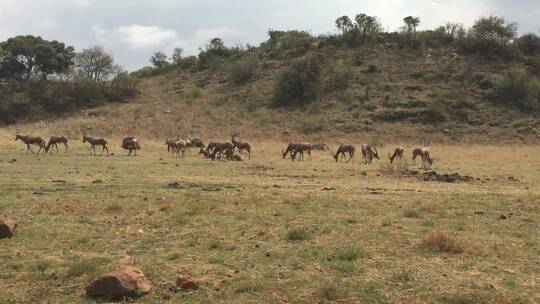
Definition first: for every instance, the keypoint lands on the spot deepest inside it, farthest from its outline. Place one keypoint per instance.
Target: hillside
(379, 91)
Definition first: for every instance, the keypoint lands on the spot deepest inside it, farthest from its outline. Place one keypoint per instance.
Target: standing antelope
(54, 141)
(398, 154)
(93, 141)
(132, 144)
(342, 149)
(295, 148)
(31, 140)
(368, 153)
(241, 146)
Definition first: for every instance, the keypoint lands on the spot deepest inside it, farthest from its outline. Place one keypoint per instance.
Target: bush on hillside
(297, 85)
(517, 88)
(336, 77)
(243, 70)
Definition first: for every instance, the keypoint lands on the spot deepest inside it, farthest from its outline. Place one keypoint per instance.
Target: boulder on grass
(126, 282)
(186, 284)
(7, 227)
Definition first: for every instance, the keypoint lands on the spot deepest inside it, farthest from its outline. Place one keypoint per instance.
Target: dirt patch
(433, 176)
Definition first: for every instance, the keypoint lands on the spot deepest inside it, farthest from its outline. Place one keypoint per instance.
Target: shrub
(350, 254)
(518, 88)
(297, 234)
(336, 77)
(297, 85)
(311, 125)
(440, 242)
(243, 70)
(529, 44)
(436, 111)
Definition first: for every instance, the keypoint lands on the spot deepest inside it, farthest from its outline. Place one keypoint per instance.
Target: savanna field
(270, 230)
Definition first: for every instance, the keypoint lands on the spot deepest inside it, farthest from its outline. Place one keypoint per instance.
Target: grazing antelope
(132, 144)
(171, 143)
(241, 146)
(294, 148)
(205, 153)
(398, 154)
(93, 141)
(369, 153)
(196, 142)
(31, 140)
(54, 141)
(423, 152)
(342, 149)
(222, 149)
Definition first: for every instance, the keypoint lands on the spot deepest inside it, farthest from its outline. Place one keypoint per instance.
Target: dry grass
(270, 230)
(441, 242)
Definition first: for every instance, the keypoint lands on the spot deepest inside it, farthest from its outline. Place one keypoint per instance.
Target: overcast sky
(133, 29)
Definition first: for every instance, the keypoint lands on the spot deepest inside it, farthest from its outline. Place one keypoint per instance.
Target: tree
(95, 63)
(177, 56)
(411, 23)
(529, 44)
(159, 59)
(24, 57)
(367, 25)
(344, 24)
(494, 29)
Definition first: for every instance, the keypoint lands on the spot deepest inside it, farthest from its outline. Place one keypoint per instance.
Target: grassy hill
(379, 91)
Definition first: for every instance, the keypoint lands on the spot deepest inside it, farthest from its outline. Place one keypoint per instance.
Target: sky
(134, 29)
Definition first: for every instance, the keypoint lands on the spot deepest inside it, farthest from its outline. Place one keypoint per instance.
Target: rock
(186, 284)
(503, 217)
(128, 281)
(7, 226)
(97, 181)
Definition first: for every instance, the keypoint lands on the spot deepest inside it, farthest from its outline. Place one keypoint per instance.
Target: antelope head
(17, 134)
(375, 153)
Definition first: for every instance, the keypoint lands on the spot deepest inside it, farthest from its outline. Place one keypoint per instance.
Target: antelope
(295, 148)
(342, 149)
(222, 149)
(132, 144)
(31, 140)
(368, 153)
(398, 153)
(241, 145)
(196, 142)
(205, 153)
(285, 132)
(54, 141)
(93, 141)
(180, 146)
(423, 152)
(171, 143)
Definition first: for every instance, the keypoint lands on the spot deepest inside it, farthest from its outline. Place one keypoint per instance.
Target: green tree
(529, 44)
(177, 56)
(367, 25)
(95, 63)
(494, 29)
(24, 57)
(159, 59)
(411, 23)
(344, 24)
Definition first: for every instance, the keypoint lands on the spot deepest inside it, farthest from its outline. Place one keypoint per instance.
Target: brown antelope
(241, 146)
(423, 152)
(222, 149)
(132, 144)
(93, 141)
(369, 153)
(31, 140)
(54, 141)
(205, 153)
(170, 144)
(342, 149)
(196, 142)
(294, 148)
(398, 154)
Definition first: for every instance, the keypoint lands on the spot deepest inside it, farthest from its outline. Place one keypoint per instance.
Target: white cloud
(136, 36)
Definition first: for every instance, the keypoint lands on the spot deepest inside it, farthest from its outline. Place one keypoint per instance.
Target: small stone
(186, 284)
(128, 281)
(503, 217)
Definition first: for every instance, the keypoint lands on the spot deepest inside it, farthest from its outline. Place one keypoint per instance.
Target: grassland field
(270, 230)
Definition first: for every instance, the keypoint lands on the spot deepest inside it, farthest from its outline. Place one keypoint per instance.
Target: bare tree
(95, 63)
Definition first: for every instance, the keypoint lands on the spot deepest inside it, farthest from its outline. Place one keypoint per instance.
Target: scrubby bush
(336, 77)
(297, 85)
(243, 70)
(288, 44)
(529, 44)
(436, 111)
(516, 87)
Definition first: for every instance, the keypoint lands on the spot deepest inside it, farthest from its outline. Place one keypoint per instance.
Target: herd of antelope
(226, 150)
